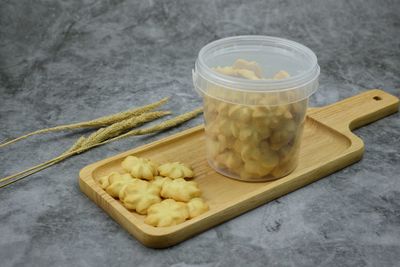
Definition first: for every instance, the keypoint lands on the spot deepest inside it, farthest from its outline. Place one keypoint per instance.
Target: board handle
(356, 111)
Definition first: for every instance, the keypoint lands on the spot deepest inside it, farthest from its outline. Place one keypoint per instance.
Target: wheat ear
(79, 148)
(83, 142)
(99, 122)
(159, 127)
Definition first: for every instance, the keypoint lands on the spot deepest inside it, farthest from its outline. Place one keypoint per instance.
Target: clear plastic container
(255, 91)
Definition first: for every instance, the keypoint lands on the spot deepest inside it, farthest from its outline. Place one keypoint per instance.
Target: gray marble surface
(67, 61)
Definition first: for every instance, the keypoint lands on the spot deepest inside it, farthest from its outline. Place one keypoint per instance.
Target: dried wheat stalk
(160, 127)
(96, 123)
(83, 145)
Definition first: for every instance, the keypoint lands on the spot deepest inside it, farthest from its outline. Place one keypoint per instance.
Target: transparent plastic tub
(255, 91)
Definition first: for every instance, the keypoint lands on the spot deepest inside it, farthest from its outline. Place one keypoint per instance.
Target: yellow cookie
(159, 181)
(242, 73)
(196, 207)
(226, 127)
(175, 170)
(280, 75)
(256, 167)
(140, 168)
(222, 108)
(180, 190)
(114, 182)
(140, 196)
(104, 182)
(239, 113)
(230, 159)
(248, 65)
(213, 147)
(114, 177)
(167, 213)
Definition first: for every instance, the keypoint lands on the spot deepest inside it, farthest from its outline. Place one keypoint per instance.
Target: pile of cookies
(158, 191)
(252, 142)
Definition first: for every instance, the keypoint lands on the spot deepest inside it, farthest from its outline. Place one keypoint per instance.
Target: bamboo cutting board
(327, 146)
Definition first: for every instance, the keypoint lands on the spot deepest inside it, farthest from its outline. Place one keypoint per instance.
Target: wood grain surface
(327, 146)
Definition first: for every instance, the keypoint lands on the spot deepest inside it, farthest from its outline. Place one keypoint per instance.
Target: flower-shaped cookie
(175, 170)
(140, 167)
(225, 142)
(104, 182)
(249, 135)
(213, 147)
(180, 190)
(140, 196)
(248, 151)
(167, 213)
(281, 112)
(248, 65)
(239, 113)
(230, 159)
(222, 108)
(280, 75)
(159, 181)
(115, 176)
(242, 73)
(114, 182)
(227, 127)
(256, 167)
(210, 108)
(115, 188)
(196, 207)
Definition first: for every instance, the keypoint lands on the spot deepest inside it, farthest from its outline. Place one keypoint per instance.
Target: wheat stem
(78, 147)
(121, 127)
(18, 176)
(99, 122)
(160, 127)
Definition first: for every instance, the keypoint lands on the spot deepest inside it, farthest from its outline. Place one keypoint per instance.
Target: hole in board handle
(377, 98)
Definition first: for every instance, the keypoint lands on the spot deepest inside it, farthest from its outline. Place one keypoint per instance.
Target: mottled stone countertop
(68, 61)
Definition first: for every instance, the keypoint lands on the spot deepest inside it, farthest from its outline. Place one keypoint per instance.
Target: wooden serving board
(327, 146)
